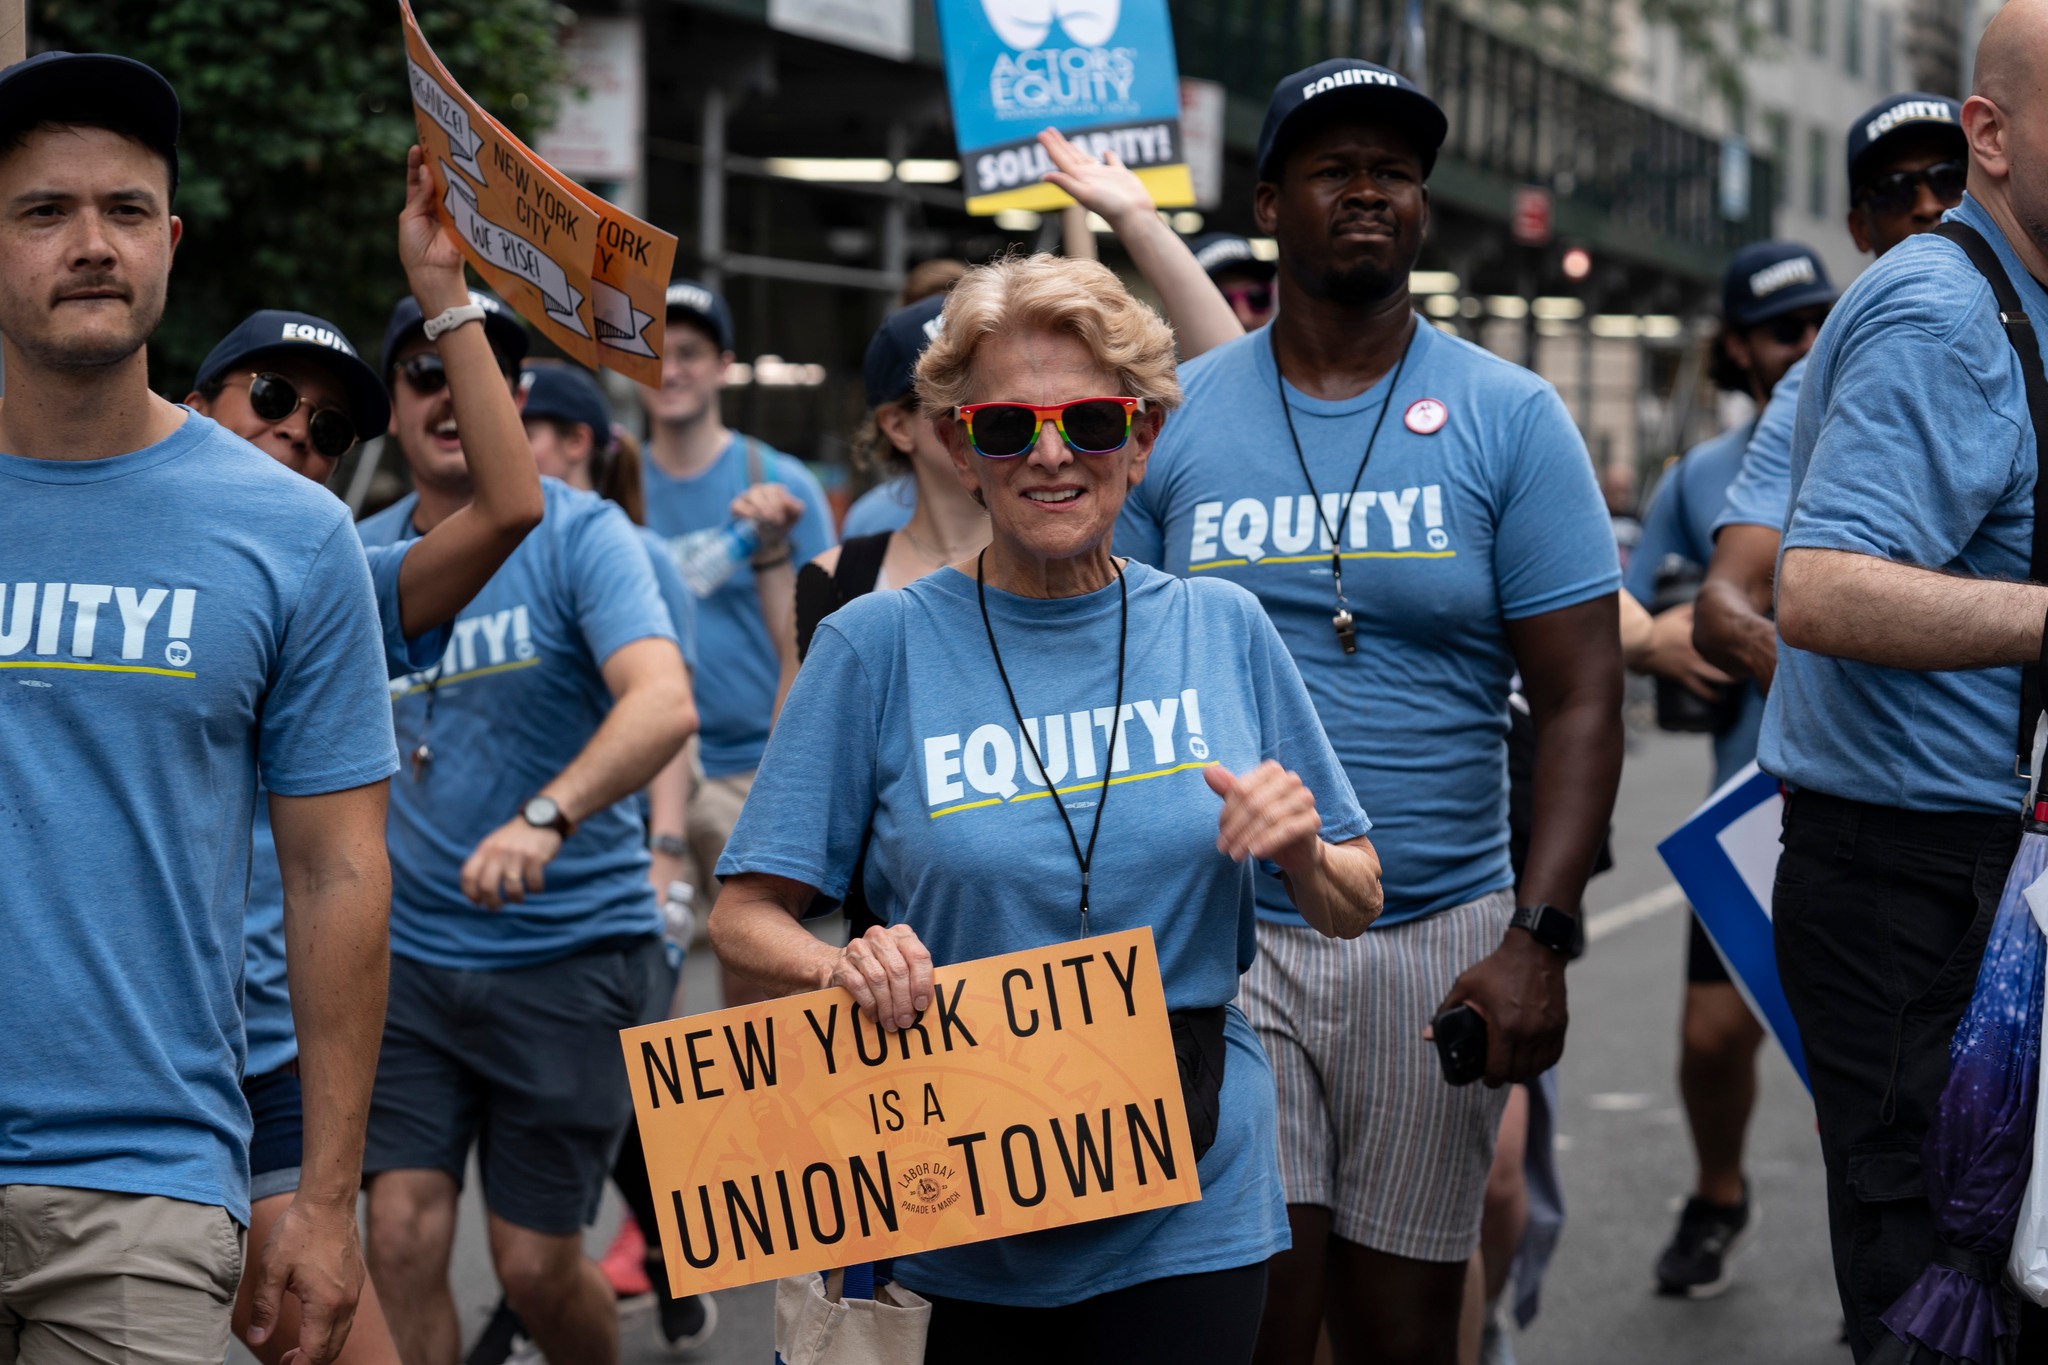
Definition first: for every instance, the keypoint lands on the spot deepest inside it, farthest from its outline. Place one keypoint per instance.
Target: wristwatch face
(541, 812)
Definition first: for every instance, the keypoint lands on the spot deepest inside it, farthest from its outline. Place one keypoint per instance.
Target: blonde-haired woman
(1048, 384)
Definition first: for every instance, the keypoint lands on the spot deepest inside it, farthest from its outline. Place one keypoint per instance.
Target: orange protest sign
(585, 272)
(1039, 1090)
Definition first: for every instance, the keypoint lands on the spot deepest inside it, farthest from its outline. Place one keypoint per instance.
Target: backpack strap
(757, 466)
(860, 565)
(2019, 330)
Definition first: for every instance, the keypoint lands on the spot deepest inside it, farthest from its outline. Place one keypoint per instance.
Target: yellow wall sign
(1038, 1090)
(588, 274)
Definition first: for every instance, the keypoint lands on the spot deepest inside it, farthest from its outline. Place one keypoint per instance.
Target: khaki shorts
(88, 1276)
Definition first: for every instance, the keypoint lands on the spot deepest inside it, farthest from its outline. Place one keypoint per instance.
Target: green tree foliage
(297, 119)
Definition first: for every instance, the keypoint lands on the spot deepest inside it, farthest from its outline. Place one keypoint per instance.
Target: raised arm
(452, 562)
(1731, 624)
(1857, 606)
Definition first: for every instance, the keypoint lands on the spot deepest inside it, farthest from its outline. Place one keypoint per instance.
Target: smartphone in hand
(1461, 1044)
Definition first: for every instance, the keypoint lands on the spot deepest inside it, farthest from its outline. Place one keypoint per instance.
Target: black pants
(1212, 1318)
(1881, 916)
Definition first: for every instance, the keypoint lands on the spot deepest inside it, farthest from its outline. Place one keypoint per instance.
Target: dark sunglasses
(274, 398)
(428, 375)
(1899, 191)
(1090, 426)
(1257, 297)
(1793, 328)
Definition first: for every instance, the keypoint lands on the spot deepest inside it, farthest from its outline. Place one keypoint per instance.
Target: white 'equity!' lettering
(479, 643)
(1154, 736)
(33, 617)
(1252, 530)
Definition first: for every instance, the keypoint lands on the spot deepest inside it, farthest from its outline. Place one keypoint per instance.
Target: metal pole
(13, 31)
(711, 189)
(895, 212)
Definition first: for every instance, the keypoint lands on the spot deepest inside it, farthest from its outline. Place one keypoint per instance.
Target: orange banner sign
(588, 274)
(1038, 1090)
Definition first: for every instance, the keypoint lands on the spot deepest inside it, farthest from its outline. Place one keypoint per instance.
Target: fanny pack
(1198, 1049)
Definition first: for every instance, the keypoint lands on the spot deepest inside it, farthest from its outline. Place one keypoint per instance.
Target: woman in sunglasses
(924, 721)
(291, 385)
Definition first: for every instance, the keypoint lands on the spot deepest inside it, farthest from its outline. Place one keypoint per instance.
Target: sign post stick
(13, 31)
(1079, 241)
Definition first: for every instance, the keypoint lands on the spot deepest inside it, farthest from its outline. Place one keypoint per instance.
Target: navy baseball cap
(1219, 251)
(891, 367)
(278, 331)
(507, 337)
(567, 393)
(703, 305)
(1768, 279)
(1366, 90)
(1899, 115)
(94, 87)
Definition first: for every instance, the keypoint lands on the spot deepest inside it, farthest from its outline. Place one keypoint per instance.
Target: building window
(1817, 172)
(1778, 133)
(1852, 37)
(1817, 28)
(1885, 41)
(1781, 18)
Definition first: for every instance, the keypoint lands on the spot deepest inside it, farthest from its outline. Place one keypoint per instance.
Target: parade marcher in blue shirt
(181, 617)
(1906, 165)
(291, 385)
(908, 717)
(1905, 616)
(1774, 296)
(525, 932)
(1454, 500)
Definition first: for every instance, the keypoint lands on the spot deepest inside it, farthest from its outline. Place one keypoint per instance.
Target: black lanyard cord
(1347, 634)
(1116, 726)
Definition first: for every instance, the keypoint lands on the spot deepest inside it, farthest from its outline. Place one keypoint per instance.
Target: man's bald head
(2006, 122)
(2012, 57)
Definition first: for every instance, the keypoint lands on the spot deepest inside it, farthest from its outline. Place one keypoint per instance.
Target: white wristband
(448, 321)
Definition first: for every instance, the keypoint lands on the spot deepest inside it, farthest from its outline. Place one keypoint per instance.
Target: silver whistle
(1347, 631)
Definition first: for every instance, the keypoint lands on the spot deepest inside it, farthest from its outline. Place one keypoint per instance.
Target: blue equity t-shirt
(885, 507)
(736, 694)
(173, 622)
(516, 697)
(899, 717)
(266, 997)
(1479, 505)
(1680, 521)
(1913, 444)
(1762, 490)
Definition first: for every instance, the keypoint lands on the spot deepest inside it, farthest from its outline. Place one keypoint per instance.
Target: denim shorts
(275, 1148)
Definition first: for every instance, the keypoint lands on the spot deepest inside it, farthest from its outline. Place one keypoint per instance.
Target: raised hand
(1106, 187)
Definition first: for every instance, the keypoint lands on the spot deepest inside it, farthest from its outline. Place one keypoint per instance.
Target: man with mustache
(1420, 519)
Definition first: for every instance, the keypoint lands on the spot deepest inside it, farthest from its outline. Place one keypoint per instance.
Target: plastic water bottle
(707, 558)
(679, 915)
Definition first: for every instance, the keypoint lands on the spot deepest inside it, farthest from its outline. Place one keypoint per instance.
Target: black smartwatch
(542, 812)
(1564, 934)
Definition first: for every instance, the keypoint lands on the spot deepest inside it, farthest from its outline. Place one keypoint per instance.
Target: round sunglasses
(1089, 426)
(328, 430)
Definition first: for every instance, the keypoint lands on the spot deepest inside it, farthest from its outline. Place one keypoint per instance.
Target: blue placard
(1725, 858)
(1100, 71)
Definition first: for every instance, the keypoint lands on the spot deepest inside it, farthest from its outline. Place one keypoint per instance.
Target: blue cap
(1898, 115)
(278, 331)
(703, 305)
(1765, 280)
(567, 393)
(891, 368)
(1219, 251)
(501, 325)
(1368, 91)
(57, 87)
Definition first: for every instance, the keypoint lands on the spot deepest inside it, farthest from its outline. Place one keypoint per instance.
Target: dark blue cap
(891, 368)
(1366, 91)
(1899, 115)
(57, 87)
(278, 331)
(703, 305)
(501, 325)
(567, 393)
(1768, 279)
(1216, 252)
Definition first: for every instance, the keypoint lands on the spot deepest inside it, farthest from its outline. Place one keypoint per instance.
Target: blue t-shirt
(1913, 444)
(736, 695)
(173, 622)
(1762, 490)
(885, 507)
(266, 999)
(898, 716)
(1492, 515)
(514, 700)
(1681, 521)
(675, 594)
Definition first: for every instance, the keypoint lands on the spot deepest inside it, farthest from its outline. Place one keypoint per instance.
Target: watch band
(1562, 933)
(669, 846)
(560, 824)
(449, 319)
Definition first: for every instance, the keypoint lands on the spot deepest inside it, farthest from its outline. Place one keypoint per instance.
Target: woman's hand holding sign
(889, 972)
(1269, 813)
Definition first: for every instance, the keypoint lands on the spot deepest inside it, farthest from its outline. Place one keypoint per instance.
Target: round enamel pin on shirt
(1426, 416)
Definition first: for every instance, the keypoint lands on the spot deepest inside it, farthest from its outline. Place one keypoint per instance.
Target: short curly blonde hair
(1057, 294)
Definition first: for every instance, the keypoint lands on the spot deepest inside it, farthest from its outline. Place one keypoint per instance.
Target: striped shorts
(1368, 1127)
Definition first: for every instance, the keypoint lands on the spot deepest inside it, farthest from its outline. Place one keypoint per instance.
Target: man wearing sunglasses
(1420, 519)
(1245, 281)
(525, 932)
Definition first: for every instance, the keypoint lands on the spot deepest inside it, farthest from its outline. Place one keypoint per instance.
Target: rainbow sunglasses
(1089, 426)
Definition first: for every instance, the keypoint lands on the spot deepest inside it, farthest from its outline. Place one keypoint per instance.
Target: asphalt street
(1623, 1153)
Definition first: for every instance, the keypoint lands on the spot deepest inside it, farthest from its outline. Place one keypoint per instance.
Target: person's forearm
(1577, 772)
(647, 727)
(1857, 606)
(668, 798)
(776, 588)
(1200, 316)
(756, 933)
(1341, 896)
(1730, 633)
